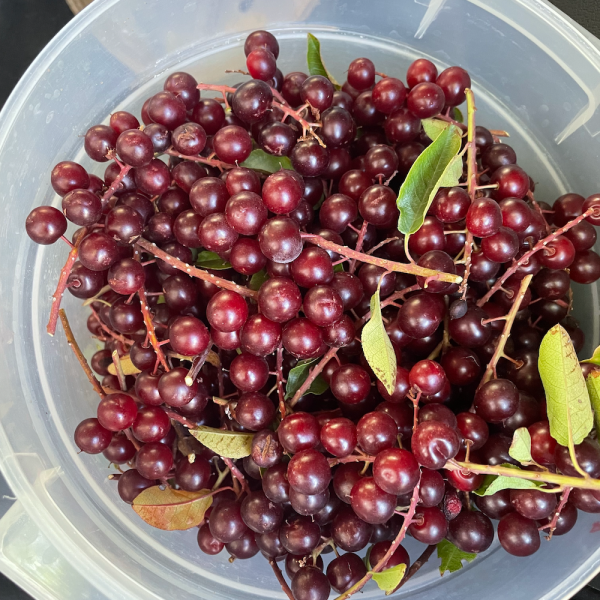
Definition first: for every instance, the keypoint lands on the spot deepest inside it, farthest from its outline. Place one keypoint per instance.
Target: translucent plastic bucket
(535, 74)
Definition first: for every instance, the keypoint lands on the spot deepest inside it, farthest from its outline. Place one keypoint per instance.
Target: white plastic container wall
(535, 74)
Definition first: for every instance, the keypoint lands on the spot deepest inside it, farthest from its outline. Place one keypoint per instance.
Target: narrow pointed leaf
(593, 386)
(595, 359)
(458, 116)
(171, 509)
(494, 483)
(297, 377)
(520, 449)
(316, 66)
(434, 167)
(229, 444)
(377, 347)
(568, 401)
(128, 367)
(211, 260)
(452, 557)
(257, 280)
(259, 160)
(389, 579)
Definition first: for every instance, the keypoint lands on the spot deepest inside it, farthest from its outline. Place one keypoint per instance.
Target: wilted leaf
(259, 160)
(257, 280)
(568, 401)
(297, 377)
(229, 444)
(377, 347)
(593, 387)
(316, 66)
(452, 557)
(389, 579)
(211, 260)
(213, 358)
(128, 367)
(494, 483)
(435, 167)
(171, 509)
(520, 449)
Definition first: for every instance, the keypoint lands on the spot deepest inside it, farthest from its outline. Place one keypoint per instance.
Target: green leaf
(452, 557)
(458, 116)
(377, 347)
(297, 377)
(595, 359)
(494, 483)
(229, 444)
(389, 579)
(520, 449)
(259, 160)
(568, 401)
(171, 509)
(161, 299)
(257, 280)
(436, 166)
(339, 268)
(593, 386)
(316, 66)
(433, 127)
(211, 260)
(367, 558)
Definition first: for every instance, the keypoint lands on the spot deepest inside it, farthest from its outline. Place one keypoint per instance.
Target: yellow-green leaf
(389, 579)
(433, 127)
(568, 401)
(297, 376)
(229, 444)
(377, 347)
(520, 449)
(593, 386)
(211, 260)
(458, 116)
(494, 483)
(171, 509)
(595, 359)
(452, 557)
(436, 166)
(316, 66)
(259, 160)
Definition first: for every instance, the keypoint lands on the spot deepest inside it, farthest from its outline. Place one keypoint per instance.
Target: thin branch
(119, 368)
(194, 271)
(389, 265)
(509, 320)
(313, 375)
(79, 354)
(115, 184)
(422, 560)
(237, 474)
(554, 522)
(282, 582)
(200, 159)
(280, 391)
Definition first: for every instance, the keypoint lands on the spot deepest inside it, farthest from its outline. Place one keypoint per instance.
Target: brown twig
(117, 180)
(359, 243)
(296, 115)
(539, 210)
(150, 329)
(422, 560)
(62, 283)
(79, 354)
(509, 320)
(349, 459)
(109, 331)
(237, 474)
(280, 391)
(176, 417)
(554, 522)
(200, 159)
(282, 582)
(389, 265)
(313, 375)
(194, 271)
(119, 368)
(197, 364)
(539, 246)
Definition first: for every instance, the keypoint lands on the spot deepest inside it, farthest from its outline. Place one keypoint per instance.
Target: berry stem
(359, 244)
(313, 375)
(282, 582)
(280, 392)
(538, 208)
(79, 354)
(379, 566)
(389, 265)
(297, 116)
(422, 560)
(205, 161)
(129, 435)
(553, 523)
(109, 331)
(197, 364)
(62, 283)
(349, 459)
(223, 89)
(194, 271)
(115, 184)
(539, 246)
(237, 474)
(563, 481)
(119, 369)
(176, 417)
(509, 320)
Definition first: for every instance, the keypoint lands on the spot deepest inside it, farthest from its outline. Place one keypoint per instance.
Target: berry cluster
(302, 251)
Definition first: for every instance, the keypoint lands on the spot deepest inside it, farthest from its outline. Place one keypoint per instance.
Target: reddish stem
(237, 474)
(379, 566)
(539, 246)
(538, 208)
(554, 522)
(109, 331)
(280, 391)
(350, 459)
(295, 114)
(115, 184)
(313, 375)
(205, 161)
(282, 582)
(79, 354)
(185, 422)
(194, 271)
(119, 369)
(388, 265)
(160, 355)
(223, 89)
(359, 243)
(62, 283)
(390, 300)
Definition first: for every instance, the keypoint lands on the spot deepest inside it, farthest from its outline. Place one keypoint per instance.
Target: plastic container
(535, 73)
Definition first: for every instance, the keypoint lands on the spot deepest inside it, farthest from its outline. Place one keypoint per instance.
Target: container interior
(534, 75)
